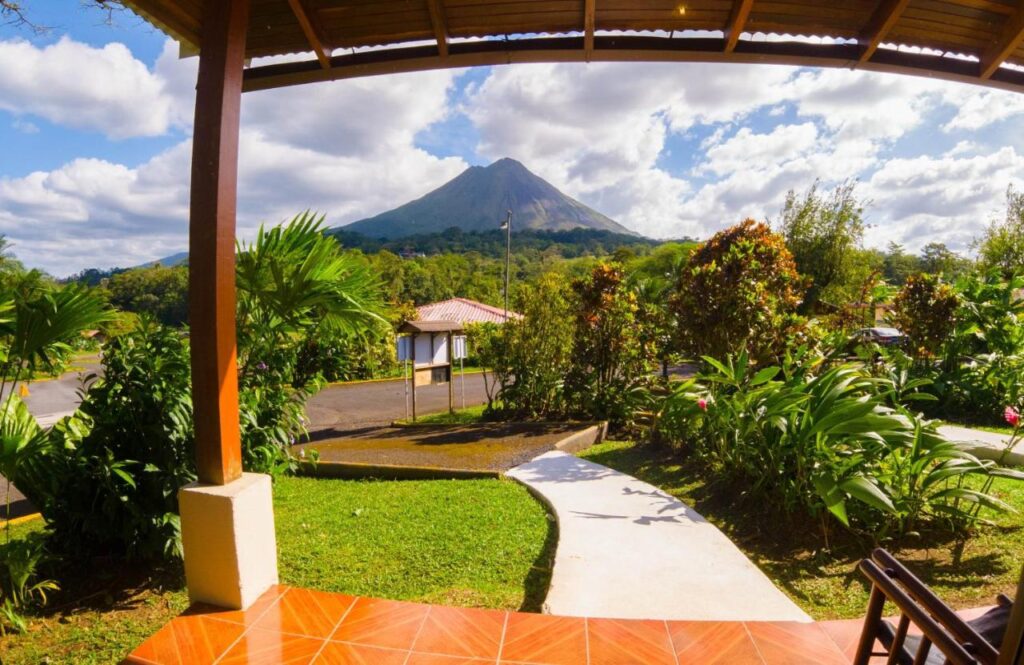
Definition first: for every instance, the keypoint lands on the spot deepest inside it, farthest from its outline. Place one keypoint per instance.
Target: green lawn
(478, 543)
(824, 583)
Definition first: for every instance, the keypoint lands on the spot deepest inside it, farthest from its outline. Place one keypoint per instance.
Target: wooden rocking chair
(945, 637)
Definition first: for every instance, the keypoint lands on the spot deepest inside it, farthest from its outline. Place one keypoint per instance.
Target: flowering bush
(739, 293)
(925, 311)
(611, 359)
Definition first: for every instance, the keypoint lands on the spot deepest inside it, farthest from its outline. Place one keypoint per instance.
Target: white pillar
(227, 532)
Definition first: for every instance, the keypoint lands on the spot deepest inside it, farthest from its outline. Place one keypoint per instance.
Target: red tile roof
(463, 310)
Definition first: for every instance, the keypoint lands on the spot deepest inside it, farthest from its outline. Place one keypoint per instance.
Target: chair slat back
(941, 627)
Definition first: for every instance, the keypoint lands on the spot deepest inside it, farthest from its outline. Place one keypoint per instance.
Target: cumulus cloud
(346, 149)
(600, 132)
(103, 89)
(949, 198)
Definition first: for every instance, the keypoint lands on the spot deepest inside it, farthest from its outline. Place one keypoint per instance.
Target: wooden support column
(212, 241)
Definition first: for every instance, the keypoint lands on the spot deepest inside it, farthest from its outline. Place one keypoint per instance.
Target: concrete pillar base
(227, 532)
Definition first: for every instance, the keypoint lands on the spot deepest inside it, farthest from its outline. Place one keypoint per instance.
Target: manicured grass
(825, 583)
(476, 543)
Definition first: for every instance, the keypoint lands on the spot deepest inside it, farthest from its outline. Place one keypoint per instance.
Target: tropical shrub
(610, 364)
(39, 324)
(827, 443)
(486, 342)
(535, 351)
(295, 287)
(925, 311)
(824, 235)
(21, 583)
(110, 485)
(740, 292)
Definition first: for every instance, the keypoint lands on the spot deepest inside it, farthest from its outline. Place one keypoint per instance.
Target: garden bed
(824, 583)
(478, 543)
(418, 451)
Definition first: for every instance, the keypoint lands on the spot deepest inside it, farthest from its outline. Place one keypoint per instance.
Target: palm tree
(294, 283)
(37, 325)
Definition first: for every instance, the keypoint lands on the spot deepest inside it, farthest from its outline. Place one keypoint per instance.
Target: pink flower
(702, 404)
(1011, 415)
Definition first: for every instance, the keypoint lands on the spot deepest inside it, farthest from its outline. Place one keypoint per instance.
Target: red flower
(702, 404)
(1011, 415)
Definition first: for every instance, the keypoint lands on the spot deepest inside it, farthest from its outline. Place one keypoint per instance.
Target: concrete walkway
(986, 445)
(628, 550)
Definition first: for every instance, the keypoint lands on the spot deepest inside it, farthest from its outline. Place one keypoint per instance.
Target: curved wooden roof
(975, 41)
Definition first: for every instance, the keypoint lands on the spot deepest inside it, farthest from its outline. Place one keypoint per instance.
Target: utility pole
(507, 225)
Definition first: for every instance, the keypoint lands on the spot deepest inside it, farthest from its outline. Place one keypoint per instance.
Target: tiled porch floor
(298, 626)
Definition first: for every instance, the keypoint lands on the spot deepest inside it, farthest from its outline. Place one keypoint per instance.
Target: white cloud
(598, 131)
(80, 86)
(345, 149)
(946, 199)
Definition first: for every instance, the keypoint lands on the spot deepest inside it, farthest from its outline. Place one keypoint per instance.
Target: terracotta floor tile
(438, 659)
(456, 631)
(792, 643)
(713, 643)
(268, 647)
(382, 623)
(305, 612)
(545, 639)
(189, 640)
(617, 641)
(343, 653)
(246, 617)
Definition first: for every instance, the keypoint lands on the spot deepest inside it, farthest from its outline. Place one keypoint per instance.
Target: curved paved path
(628, 550)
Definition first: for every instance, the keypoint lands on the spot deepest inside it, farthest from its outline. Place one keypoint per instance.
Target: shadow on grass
(539, 578)
(111, 585)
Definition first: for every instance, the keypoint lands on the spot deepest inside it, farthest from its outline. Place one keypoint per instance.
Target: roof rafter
(1012, 37)
(440, 25)
(882, 21)
(314, 35)
(589, 9)
(737, 21)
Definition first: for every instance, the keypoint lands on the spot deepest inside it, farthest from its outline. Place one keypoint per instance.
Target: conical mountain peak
(478, 200)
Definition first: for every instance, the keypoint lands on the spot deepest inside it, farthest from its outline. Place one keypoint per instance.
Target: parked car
(880, 336)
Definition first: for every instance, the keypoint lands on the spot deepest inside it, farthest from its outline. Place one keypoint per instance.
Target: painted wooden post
(212, 241)
(451, 374)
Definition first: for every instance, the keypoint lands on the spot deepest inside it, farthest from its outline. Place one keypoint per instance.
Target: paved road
(341, 407)
(382, 402)
(51, 398)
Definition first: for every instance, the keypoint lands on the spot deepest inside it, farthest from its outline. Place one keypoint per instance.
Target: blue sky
(95, 124)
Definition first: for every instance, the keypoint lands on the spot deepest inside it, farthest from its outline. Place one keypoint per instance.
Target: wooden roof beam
(1012, 37)
(737, 21)
(589, 9)
(440, 25)
(882, 21)
(314, 35)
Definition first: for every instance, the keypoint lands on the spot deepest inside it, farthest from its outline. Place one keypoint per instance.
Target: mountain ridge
(477, 200)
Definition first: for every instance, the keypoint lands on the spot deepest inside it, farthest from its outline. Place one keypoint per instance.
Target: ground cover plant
(472, 543)
(824, 582)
